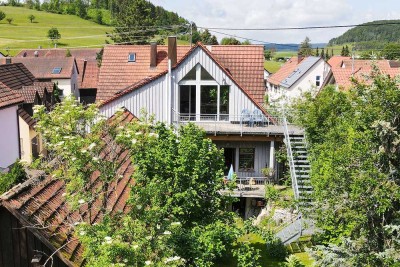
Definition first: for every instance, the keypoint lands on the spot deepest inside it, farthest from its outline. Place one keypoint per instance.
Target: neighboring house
(9, 130)
(220, 88)
(1, 55)
(345, 68)
(296, 76)
(36, 220)
(87, 64)
(61, 71)
(18, 78)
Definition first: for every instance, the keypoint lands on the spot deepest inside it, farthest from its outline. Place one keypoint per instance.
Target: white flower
(60, 143)
(83, 150)
(167, 233)
(64, 194)
(91, 146)
(135, 247)
(158, 226)
(138, 133)
(82, 233)
(175, 223)
(148, 262)
(81, 201)
(76, 223)
(139, 207)
(95, 159)
(73, 158)
(153, 135)
(108, 238)
(149, 237)
(134, 141)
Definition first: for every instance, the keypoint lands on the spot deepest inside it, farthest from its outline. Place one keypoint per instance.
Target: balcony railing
(250, 186)
(228, 123)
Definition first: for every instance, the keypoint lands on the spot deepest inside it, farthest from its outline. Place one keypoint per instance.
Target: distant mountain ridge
(386, 31)
(291, 47)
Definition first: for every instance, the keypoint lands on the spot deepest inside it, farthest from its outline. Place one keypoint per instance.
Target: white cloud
(277, 14)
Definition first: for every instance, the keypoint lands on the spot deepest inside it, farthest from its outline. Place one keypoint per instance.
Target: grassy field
(272, 66)
(21, 33)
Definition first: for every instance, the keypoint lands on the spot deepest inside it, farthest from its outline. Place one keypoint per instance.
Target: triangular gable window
(205, 76)
(191, 76)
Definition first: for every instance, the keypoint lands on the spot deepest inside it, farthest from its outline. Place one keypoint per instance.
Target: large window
(201, 97)
(246, 159)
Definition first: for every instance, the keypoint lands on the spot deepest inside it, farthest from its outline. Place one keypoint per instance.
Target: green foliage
(53, 34)
(355, 159)
(345, 51)
(31, 18)
(293, 261)
(230, 41)
(2, 15)
(391, 51)
(9, 20)
(15, 176)
(379, 33)
(305, 48)
(271, 193)
(247, 256)
(68, 53)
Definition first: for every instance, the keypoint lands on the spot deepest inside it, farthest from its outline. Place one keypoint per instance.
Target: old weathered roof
(244, 64)
(15, 76)
(78, 53)
(42, 67)
(29, 93)
(9, 97)
(41, 202)
(299, 71)
(286, 69)
(26, 117)
(89, 74)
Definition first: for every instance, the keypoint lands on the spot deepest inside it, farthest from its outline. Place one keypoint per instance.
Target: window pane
(209, 98)
(187, 104)
(191, 76)
(224, 102)
(246, 159)
(205, 76)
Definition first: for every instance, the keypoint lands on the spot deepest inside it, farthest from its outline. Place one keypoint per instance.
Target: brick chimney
(299, 58)
(153, 55)
(172, 50)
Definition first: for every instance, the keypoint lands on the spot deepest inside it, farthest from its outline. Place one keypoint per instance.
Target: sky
(282, 13)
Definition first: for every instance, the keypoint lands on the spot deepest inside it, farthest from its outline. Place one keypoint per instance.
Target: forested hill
(387, 31)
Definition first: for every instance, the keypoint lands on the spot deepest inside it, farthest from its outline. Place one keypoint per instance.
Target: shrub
(9, 20)
(15, 176)
(276, 249)
(293, 261)
(2, 15)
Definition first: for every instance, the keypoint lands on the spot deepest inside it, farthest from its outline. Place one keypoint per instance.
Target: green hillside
(370, 34)
(21, 33)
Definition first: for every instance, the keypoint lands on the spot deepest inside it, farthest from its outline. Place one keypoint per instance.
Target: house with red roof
(297, 76)
(346, 68)
(220, 88)
(17, 78)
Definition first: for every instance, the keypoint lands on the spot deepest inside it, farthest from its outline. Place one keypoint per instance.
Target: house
(1, 55)
(298, 75)
(219, 88)
(9, 133)
(19, 79)
(344, 68)
(61, 71)
(87, 64)
(36, 221)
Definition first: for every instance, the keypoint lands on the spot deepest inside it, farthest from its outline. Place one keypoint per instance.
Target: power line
(300, 28)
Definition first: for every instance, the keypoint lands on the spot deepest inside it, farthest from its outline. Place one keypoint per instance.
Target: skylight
(56, 70)
(132, 57)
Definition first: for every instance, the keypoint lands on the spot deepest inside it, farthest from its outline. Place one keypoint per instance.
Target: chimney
(172, 50)
(8, 60)
(299, 58)
(153, 55)
(36, 53)
(84, 69)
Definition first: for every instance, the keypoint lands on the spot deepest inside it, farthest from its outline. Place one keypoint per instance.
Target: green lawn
(21, 33)
(272, 66)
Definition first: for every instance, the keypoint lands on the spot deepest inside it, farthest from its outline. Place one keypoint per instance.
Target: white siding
(152, 97)
(9, 139)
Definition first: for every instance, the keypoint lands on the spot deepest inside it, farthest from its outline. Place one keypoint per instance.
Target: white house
(296, 76)
(9, 137)
(220, 88)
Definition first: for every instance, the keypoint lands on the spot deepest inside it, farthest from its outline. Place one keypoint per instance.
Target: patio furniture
(258, 117)
(245, 117)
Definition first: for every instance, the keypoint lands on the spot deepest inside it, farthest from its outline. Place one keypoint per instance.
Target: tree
(2, 15)
(268, 54)
(230, 41)
(134, 22)
(9, 20)
(323, 53)
(345, 51)
(54, 35)
(391, 51)
(176, 214)
(356, 171)
(208, 39)
(80, 8)
(305, 48)
(31, 18)
(317, 52)
(246, 42)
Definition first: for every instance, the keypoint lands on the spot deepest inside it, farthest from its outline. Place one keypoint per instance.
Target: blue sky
(282, 13)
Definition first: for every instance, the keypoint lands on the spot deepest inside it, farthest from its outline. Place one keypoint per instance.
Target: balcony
(249, 187)
(243, 124)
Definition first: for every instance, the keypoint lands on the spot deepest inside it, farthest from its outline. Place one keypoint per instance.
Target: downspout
(169, 93)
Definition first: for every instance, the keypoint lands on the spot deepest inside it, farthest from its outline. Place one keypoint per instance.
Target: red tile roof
(42, 67)
(284, 71)
(15, 76)
(9, 97)
(89, 75)
(29, 93)
(41, 202)
(360, 69)
(244, 64)
(336, 61)
(85, 53)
